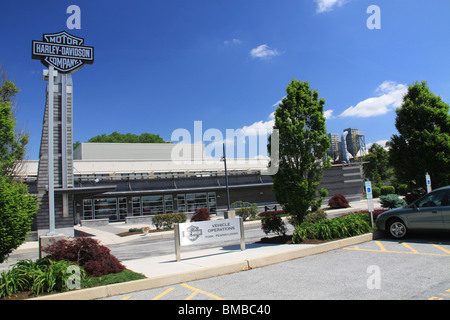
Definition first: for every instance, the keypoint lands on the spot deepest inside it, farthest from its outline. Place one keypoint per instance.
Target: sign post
(428, 180)
(62, 53)
(369, 197)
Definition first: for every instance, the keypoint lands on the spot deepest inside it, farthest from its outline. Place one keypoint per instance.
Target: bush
(272, 222)
(376, 192)
(337, 228)
(402, 189)
(87, 253)
(201, 214)
(338, 201)
(245, 210)
(167, 220)
(315, 216)
(17, 208)
(41, 276)
(392, 201)
(385, 190)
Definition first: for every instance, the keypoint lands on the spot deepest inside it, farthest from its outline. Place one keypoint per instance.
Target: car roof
(443, 188)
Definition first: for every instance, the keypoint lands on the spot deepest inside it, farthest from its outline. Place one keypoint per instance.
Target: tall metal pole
(226, 176)
(51, 179)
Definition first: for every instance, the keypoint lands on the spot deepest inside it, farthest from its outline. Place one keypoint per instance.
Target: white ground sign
(193, 233)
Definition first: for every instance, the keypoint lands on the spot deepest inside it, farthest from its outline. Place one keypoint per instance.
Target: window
(434, 199)
(122, 202)
(212, 205)
(168, 204)
(136, 206)
(105, 208)
(196, 201)
(181, 202)
(87, 209)
(152, 205)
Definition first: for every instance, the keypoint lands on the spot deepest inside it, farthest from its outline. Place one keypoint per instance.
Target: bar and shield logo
(65, 52)
(192, 233)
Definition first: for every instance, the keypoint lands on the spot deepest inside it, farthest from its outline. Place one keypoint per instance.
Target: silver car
(431, 212)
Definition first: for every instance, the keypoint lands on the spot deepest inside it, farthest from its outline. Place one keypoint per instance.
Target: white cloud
(232, 42)
(263, 52)
(328, 114)
(390, 97)
(328, 5)
(380, 143)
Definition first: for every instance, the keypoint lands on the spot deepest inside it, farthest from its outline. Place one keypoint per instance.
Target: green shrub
(376, 192)
(402, 189)
(245, 210)
(392, 201)
(17, 208)
(42, 276)
(315, 216)
(337, 228)
(167, 220)
(385, 190)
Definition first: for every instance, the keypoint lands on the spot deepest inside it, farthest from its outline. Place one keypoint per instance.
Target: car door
(428, 212)
(446, 210)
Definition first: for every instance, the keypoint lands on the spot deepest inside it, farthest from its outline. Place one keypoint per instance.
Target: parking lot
(416, 268)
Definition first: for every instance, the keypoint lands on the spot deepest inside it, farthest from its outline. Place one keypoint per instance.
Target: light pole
(224, 158)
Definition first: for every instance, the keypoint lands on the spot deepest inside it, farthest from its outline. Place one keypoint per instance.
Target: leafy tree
(12, 144)
(376, 167)
(128, 138)
(303, 144)
(423, 142)
(17, 206)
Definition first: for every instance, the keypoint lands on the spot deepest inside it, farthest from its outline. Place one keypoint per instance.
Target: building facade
(115, 181)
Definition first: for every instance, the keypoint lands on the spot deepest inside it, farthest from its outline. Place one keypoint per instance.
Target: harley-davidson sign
(65, 52)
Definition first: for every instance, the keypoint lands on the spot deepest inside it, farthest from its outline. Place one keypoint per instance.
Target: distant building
(351, 147)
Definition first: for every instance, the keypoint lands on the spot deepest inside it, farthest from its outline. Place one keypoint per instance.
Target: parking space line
(440, 248)
(193, 294)
(411, 250)
(196, 290)
(163, 294)
(382, 248)
(407, 246)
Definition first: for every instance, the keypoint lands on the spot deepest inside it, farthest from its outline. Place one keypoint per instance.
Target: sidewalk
(194, 265)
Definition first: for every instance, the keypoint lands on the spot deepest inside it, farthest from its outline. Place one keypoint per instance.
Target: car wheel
(397, 229)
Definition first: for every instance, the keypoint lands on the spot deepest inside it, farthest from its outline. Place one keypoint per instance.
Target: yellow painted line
(193, 294)
(201, 291)
(163, 294)
(382, 248)
(407, 246)
(126, 298)
(404, 252)
(435, 298)
(440, 248)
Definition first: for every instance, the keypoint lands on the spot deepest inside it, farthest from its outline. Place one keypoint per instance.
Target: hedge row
(341, 227)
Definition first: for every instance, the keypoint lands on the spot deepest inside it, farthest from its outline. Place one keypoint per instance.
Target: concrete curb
(246, 264)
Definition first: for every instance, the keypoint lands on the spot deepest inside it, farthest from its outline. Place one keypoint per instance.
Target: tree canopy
(17, 206)
(116, 137)
(423, 141)
(303, 144)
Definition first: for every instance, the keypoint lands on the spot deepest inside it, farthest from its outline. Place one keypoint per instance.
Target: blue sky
(161, 65)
